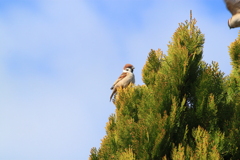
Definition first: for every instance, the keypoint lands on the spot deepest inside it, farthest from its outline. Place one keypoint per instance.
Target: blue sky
(58, 60)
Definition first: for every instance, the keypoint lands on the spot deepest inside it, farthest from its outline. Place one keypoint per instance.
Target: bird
(124, 79)
(234, 7)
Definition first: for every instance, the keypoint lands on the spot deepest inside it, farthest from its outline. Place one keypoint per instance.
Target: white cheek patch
(125, 71)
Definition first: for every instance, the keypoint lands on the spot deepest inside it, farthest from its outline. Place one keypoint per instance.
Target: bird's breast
(127, 80)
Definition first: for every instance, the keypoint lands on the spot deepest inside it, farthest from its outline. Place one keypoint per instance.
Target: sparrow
(124, 79)
(234, 7)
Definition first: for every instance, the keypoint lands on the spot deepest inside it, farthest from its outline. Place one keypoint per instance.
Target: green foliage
(234, 50)
(207, 146)
(152, 67)
(187, 109)
(127, 155)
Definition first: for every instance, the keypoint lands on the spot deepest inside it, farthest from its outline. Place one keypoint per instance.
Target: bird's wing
(233, 6)
(123, 75)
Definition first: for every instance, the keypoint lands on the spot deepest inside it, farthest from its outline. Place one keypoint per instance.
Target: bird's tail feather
(114, 91)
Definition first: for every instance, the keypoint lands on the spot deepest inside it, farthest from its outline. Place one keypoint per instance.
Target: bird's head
(128, 68)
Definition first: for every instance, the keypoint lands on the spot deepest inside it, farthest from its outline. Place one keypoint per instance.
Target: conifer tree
(187, 109)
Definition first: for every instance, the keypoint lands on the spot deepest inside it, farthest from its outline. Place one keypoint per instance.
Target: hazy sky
(59, 58)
